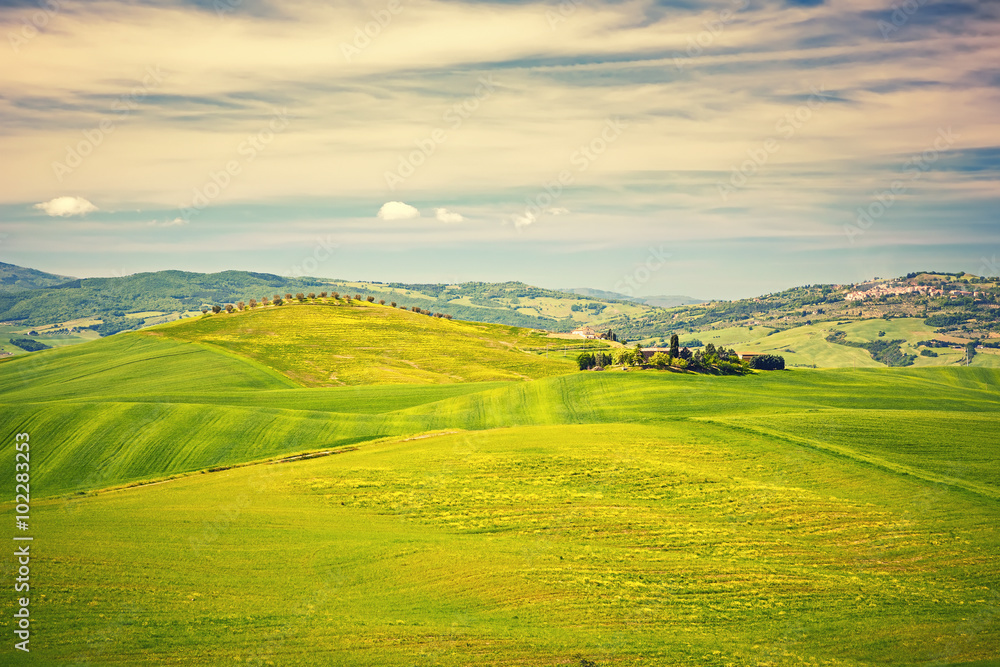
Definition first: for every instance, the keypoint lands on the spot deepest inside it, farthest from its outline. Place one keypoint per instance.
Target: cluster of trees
(767, 362)
(588, 360)
(597, 308)
(112, 324)
(709, 360)
(29, 345)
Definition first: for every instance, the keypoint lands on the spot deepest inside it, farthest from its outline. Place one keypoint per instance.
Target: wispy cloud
(444, 215)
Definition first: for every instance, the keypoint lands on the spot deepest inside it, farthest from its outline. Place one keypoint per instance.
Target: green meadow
(202, 496)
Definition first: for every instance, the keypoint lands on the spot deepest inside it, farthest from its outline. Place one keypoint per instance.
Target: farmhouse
(648, 352)
(585, 332)
(747, 356)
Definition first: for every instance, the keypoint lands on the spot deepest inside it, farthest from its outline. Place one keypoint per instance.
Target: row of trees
(277, 300)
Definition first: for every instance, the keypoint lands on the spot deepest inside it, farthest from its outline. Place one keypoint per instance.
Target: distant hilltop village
(891, 290)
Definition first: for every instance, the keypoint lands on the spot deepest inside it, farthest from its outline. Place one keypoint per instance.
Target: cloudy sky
(717, 149)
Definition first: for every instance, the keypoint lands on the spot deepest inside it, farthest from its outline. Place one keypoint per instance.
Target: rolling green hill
(319, 345)
(805, 517)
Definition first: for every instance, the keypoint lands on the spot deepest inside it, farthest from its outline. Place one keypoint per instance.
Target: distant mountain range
(960, 304)
(661, 301)
(17, 278)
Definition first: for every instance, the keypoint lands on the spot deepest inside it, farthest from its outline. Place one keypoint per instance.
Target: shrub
(216, 309)
(230, 307)
(322, 295)
(370, 299)
(928, 353)
(393, 304)
(660, 360)
(301, 297)
(767, 362)
(277, 301)
(730, 368)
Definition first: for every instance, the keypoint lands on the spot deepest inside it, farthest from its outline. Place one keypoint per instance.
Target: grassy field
(57, 340)
(835, 517)
(807, 345)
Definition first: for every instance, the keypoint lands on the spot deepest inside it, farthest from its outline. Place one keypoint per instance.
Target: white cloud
(444, 215)
(397, 210)
(556, 210)
(524, 220)
(66, 206)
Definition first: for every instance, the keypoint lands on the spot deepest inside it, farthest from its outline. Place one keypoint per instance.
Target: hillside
(18, 279)
(949, 311)
(153, 294)
(322, 344)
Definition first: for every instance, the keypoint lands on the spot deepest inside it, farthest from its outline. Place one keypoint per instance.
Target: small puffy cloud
(557, 210)
(520, 221)
(66, 206)
(397, 210)
(444, 215)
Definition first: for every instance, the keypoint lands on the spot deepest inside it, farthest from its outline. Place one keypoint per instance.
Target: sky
(717, 149)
